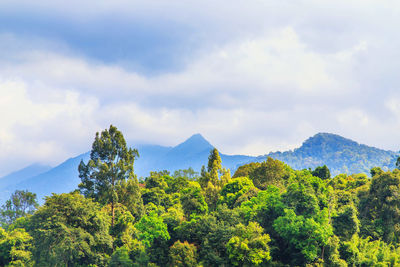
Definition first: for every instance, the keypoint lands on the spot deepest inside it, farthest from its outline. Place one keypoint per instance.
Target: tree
(248, 246)
(20, 204)
(110, 163)
(270, 172)
(378, 170)
(345, 222)
(213, 179)
(235, 189)
(380, 209)
(398, 163)
(183, 254)
(152, 227)
(322, 172)
(70, 230)
(120, 258)
(193, 200)
(15, 248)
(306, 235)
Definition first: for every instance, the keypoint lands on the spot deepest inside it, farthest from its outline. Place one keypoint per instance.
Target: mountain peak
(329, 139)
(325, 143)
(196, 137)
(195, 143)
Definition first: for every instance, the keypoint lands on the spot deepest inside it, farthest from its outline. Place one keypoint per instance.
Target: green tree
(377, 171)
(192, 200)
(302, 199)
(234, 189)
(152, 227)
(380, 209)
(70, 230)
(129, 195)
(183, 254)
(246, 170)
(306, 235)
(111, 161)
(213, 179)
(322, 172)
(120, 258)
(248, 246)
(270, 172)
(345, 222)
(20, 204)
(15, 248)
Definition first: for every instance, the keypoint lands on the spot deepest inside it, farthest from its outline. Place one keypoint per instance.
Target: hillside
(340, 154)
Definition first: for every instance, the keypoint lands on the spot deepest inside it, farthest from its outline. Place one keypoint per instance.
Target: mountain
(62, 178)
(9, 183)
(193, 153)
(340, 154)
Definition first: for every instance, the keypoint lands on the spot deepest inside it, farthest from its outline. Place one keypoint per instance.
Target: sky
(251, 76)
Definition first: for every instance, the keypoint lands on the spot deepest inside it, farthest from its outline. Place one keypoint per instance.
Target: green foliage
(380, 208)
(267, 215)
(270, 172)
(129, 195)
(377, 170)
(110, 162)
(15, 248)
(183, 254)
(302, 199)
(70, 230)
(152, 227)
(245, 170)
(193, 201)
(213, 179)
(345, 222)
(189, 174)
(234, 189)
(120, 258)
(364, 252)
(264, 208)
(307, 235)
(20, 204)
(248, 246)
(322, 172)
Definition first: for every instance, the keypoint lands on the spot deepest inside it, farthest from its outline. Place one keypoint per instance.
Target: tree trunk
(112, 213)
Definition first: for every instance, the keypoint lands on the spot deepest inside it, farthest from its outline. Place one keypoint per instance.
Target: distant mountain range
(341, 155)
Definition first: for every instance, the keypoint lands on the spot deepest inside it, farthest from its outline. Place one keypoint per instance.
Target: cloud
(251, 77)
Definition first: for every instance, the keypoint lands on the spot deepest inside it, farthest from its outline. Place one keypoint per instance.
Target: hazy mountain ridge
(340, 154)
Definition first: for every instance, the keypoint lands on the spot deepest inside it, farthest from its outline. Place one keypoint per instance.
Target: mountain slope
(193, 153)
(60, 179)
(9, 183)
(340, 154)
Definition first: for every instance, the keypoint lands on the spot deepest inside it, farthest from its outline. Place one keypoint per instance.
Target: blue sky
(251, 76)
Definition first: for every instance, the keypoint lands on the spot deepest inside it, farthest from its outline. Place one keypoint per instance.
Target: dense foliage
(267, 214)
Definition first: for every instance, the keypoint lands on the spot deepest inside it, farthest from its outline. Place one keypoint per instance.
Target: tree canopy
(268, 214)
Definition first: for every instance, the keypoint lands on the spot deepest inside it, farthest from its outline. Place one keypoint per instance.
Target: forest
(265, 214)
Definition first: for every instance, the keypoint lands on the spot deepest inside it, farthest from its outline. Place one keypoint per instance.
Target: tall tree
(20, 204)
(214, 178)
(111, 161)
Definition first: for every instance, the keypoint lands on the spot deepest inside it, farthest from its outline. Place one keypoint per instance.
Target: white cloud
(257, 77)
